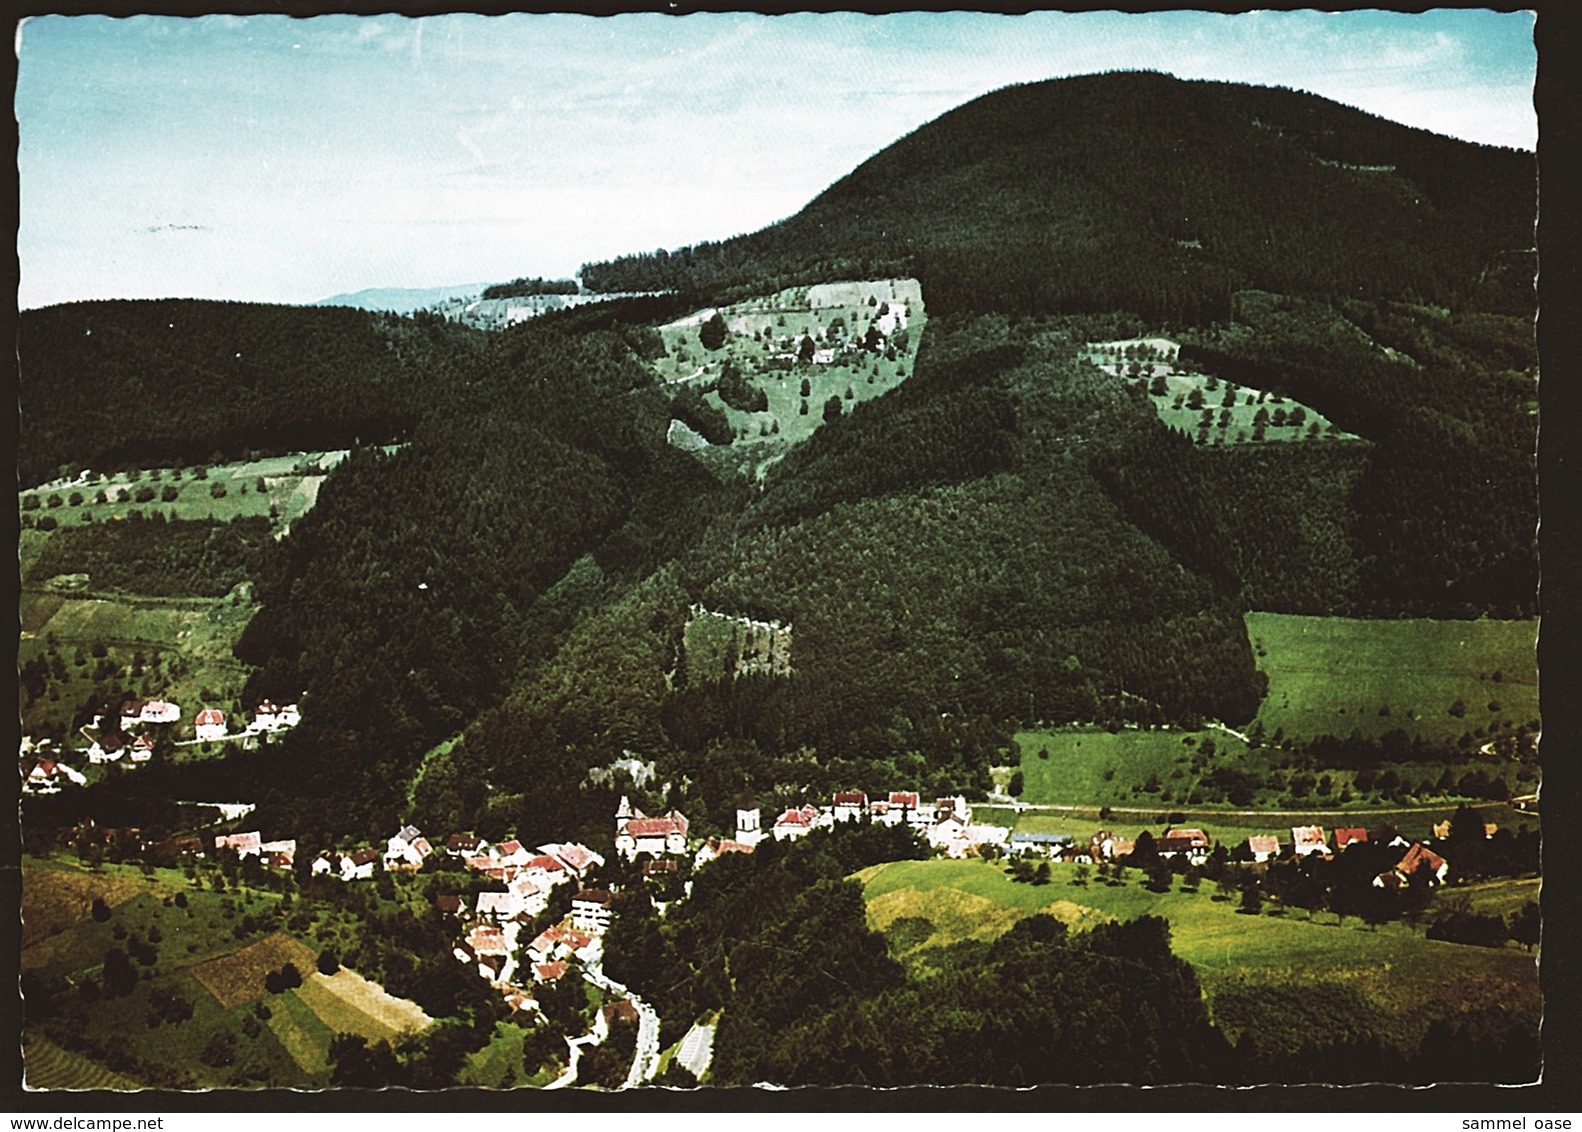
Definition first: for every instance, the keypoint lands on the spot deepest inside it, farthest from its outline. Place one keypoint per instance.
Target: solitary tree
(712, 332)
(832, 410)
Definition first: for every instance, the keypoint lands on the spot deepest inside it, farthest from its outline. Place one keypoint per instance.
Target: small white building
(210, 725)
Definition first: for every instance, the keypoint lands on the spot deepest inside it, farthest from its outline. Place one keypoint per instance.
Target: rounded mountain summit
(1143, 192)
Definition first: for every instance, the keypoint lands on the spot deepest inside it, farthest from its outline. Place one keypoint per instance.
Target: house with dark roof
(591, 911)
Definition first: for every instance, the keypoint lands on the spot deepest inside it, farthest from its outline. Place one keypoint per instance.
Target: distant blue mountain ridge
(402, 300)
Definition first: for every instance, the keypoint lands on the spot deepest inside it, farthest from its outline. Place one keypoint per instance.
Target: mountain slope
(1143, 192)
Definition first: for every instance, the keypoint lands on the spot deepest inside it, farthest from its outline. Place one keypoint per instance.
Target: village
(500, 930)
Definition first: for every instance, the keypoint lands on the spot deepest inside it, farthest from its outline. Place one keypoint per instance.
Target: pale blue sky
(281, 159)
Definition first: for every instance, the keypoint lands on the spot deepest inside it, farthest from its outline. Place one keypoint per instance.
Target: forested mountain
(1142, 192)
(1009, 535)
(129, 383)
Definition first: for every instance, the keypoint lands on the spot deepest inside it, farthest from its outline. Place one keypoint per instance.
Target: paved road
(645, 1059)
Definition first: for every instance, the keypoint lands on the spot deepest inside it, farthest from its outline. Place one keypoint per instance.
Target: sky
(275, 159)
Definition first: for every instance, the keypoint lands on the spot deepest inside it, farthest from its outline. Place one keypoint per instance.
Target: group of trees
(128, 383)
(525, 287)
(151, 556)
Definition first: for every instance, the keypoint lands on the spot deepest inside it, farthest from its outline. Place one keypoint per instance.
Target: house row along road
(1133, 813)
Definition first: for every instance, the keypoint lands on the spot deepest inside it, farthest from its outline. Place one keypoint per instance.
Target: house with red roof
(488, 948)
(465, 845)
(142, 749)
(360, 865)
(550, 972)
(1418, 863)
(1345, 836)
(242, 844)
(1193, 844)
(210, 725)
(850, 805)
(1261, 847)
(797, 822)
(40, 776)
(578, 858)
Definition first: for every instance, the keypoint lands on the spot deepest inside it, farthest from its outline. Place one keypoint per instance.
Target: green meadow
(1334, 675)
(282, 487)
(794, 314)
(1404, 979)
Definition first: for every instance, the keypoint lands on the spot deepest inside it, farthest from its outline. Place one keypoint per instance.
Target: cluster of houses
(130, 730)
(1194, 845)
(945, 823)
(273, 854)
(41, 771)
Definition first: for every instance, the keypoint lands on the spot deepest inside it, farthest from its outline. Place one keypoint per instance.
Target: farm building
(1025, 843)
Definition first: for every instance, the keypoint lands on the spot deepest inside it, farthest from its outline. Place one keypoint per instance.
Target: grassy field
(301, 1033)
(1093, 767)
(1406, 978)
(1334, 675)
(288, 484)
(211, 950)
(793, 314)
(1204, 407)
(498, 1065)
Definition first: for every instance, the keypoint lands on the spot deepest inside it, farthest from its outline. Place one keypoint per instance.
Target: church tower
(747, 819)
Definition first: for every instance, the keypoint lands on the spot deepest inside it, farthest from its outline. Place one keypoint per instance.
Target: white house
(408, 849)
(159, 711)
(850, 805)
(210, 725)
(794, 823)
(360, 865)
(636, 833)
(142, 749)
(949, 836)
(41, 776)
(1307, 839)
(590, 910)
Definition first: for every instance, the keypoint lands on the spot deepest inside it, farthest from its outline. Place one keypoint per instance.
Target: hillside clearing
(1335, 675)
(56, 899)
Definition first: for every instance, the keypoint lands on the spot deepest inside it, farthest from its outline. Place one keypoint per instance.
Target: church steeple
(748, 829)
